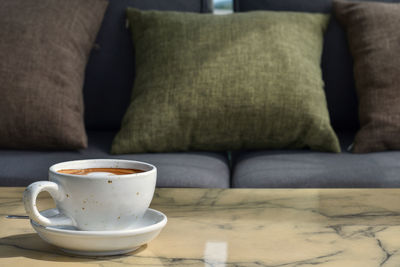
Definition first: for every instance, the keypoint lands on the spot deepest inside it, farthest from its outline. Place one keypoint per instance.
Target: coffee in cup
(100, 171)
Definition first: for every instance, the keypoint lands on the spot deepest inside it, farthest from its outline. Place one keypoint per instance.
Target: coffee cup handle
(29, 199)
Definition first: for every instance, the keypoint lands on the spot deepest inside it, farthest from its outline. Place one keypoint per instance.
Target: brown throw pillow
(44, 47)
(373, 31)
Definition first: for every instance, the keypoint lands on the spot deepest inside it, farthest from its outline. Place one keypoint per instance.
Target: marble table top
(237, 227)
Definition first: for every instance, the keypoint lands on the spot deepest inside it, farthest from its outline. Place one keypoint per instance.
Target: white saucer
(101, 243)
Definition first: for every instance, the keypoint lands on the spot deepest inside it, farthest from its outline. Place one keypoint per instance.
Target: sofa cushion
(110, 70)
(44, 48)
(374, 40)
(189, 93)
(336, 59)
(302, 169)
(20, 168)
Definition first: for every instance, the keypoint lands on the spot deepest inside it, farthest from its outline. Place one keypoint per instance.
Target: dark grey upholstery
(299, 169)
(337, 66)
(20, 168)
(110, 70)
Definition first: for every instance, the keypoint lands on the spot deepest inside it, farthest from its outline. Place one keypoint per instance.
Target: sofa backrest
(336, 59)
(110, 70)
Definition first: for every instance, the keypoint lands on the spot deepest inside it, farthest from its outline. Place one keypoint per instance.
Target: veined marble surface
(238, 227)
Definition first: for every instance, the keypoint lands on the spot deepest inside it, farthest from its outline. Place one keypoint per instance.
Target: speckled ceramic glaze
(98, 201)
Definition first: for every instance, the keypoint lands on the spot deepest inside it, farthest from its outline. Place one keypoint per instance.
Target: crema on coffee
(113, 171)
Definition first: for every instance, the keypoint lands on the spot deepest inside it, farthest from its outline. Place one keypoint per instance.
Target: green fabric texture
(241, 81)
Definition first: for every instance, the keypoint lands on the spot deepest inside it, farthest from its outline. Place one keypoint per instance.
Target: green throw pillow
(241, 81)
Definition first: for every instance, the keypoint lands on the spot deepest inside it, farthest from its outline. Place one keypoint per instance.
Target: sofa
(108, 84)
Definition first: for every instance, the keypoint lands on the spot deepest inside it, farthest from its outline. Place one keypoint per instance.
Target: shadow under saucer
(33, 247)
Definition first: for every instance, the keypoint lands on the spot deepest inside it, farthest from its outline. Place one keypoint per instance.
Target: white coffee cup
(100, 201)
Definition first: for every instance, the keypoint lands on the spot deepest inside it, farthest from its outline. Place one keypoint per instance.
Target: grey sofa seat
(304, 168)
(194, 169)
